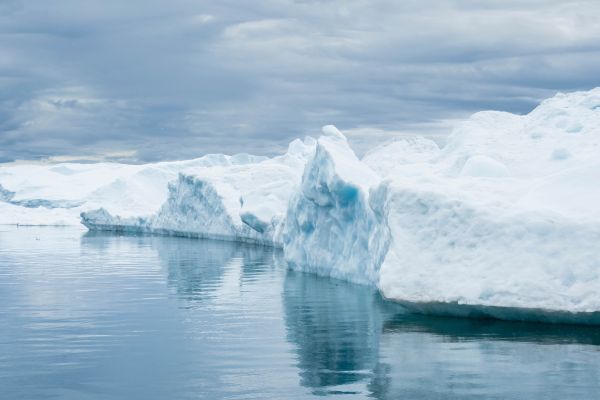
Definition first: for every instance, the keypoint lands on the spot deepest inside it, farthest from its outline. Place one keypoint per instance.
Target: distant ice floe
(56, 194)
(503, 221)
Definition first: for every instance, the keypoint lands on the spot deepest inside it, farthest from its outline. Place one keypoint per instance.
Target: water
(123, 317)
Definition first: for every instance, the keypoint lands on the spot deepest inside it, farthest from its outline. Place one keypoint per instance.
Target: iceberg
(501, 221)
(243, 202)
(504, 217)
(56, 194)
(497, 219)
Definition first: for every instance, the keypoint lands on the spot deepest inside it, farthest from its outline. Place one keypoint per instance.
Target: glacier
(503, 220)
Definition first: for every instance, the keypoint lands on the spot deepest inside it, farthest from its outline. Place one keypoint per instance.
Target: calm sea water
(123, 317)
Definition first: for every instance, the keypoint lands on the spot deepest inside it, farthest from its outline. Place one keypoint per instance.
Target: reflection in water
(467, 329)
(97, 316)
(349, 340)
(196, 268)
(469, 359)
(336, 327)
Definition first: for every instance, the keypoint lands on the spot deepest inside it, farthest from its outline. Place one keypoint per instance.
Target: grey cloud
(180, 79)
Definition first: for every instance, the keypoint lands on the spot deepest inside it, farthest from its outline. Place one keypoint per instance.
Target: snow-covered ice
(405, 151)
(497, 218)
(56, 194)
(243, 202)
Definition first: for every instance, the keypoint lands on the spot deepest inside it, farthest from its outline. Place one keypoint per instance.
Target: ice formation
(498, 219)
(244, 202)
(506, 215)
(56, 194)
(330, 227)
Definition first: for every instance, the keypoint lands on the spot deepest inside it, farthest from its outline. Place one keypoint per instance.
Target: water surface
(137, 317)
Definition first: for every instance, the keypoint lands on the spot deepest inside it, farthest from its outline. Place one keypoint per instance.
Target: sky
(148, 80)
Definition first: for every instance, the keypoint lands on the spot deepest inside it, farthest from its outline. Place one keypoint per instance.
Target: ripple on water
(95, 316)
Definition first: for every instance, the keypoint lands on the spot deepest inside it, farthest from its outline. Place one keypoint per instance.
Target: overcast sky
(145, 80)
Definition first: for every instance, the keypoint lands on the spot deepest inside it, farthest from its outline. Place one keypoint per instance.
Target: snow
(504, 217)
(11, 214)
(448, 248)
(561, 132)
(484, 166)
(243, 202)
(70, 188)
(507, 215)
(402, 151)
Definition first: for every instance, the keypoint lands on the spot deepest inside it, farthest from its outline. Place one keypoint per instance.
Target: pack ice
(503, 220)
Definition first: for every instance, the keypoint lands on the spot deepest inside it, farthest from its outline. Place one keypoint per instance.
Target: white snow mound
(402, 152)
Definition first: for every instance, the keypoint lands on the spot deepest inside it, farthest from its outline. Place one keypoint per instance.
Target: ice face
(448, 248)
(330, 227)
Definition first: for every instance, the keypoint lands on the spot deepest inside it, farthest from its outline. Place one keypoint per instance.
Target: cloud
(181, 79)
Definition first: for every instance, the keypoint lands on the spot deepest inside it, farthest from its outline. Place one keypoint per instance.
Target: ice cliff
(330, 227)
